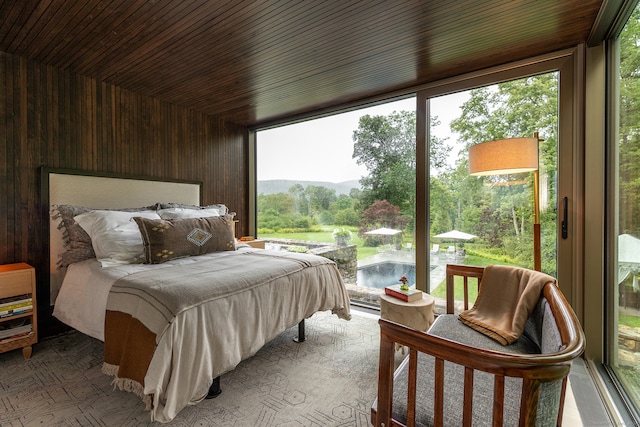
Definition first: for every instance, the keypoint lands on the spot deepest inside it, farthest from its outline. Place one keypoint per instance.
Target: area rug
(329, 380)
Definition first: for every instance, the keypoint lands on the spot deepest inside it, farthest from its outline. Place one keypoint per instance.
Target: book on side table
(409, 296)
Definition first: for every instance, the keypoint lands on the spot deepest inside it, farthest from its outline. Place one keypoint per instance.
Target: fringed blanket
(506, 298)
(202, 319)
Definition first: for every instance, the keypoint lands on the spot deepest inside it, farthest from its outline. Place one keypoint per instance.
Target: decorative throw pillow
(75, 241)
(115, 237)
(167, 239)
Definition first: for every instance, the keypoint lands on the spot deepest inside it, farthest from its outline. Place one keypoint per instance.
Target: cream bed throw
(210, 315)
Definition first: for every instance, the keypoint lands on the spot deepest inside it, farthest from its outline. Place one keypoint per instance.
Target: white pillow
(115, 237)
(182, 213)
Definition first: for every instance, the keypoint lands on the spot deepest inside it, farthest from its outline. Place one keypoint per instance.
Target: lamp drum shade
(504, 156)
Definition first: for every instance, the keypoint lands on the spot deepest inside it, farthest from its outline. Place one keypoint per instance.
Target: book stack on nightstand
(18, 318)
(408, 295)
(253, 242)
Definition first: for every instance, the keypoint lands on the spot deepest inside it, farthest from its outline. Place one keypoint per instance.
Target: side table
(257, 243)
(416, 315)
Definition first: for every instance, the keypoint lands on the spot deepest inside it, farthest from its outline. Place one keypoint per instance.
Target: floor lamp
(509, 156)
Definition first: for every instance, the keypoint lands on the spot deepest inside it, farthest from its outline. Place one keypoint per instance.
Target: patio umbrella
(628, 259)
(455, 235)
(383, 231)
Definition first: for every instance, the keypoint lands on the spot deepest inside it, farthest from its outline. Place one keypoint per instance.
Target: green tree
(344, 211)
(298, 195)
(276, 204)
(381, 213)
(441, 208)
(629, 127)
(319, 198)
(347, 217)
(386, 145)
(512, 109)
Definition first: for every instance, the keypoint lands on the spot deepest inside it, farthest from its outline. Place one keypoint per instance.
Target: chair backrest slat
(438, 395)
(466, 272)
(529, 402)
(411, 392)
(498, 400)
(467, 407)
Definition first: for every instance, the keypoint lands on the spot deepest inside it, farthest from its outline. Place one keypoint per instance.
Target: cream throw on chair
(506, 298)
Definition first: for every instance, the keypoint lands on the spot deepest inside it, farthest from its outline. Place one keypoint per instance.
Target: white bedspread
(189, 354)
(82, 300)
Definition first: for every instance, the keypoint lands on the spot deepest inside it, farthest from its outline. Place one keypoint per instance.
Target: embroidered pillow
(167, 239)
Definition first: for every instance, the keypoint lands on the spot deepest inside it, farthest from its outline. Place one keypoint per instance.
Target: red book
(408, 296)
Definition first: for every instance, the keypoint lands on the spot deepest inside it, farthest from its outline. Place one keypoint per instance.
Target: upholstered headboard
(103, 191)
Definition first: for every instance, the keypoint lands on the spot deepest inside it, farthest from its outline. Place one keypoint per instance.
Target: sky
(322, 149)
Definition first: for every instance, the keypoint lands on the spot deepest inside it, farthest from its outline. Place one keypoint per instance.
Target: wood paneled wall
(51, 117)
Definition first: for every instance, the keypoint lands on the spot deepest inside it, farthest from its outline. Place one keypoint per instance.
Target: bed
(172, 324)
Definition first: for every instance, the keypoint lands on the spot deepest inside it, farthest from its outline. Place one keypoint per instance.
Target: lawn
(326, 237)
(631, 321)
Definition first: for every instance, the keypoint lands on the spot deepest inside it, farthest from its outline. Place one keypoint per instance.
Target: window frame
(568, 64)
(609, 147)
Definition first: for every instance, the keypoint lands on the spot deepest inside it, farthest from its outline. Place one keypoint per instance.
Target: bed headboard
(101, 191)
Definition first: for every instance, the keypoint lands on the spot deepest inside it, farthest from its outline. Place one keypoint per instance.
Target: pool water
(385, 273)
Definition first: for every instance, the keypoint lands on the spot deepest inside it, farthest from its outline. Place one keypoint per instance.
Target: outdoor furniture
(455, 236)
(435, 249)
(482, 381)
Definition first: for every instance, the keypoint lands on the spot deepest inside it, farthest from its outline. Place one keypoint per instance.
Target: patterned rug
(329, 380)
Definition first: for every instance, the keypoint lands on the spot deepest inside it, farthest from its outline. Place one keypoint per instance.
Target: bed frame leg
(214, 389)
(300, 337)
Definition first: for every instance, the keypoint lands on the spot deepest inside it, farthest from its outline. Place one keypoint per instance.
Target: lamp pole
(537, 248)
(537, 256)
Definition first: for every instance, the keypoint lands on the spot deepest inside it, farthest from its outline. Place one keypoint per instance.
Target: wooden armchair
(454, 374)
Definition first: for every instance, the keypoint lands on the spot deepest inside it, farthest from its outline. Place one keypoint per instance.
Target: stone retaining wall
(345, 257)
(629, 338)
(628, 346)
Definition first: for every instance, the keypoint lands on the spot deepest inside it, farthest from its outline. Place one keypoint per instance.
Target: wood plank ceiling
(258, 61)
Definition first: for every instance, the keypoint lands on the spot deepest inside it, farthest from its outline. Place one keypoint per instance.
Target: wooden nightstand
(255, 243)
(18, 313)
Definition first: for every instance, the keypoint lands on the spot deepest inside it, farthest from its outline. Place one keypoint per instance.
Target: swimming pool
(385, 273)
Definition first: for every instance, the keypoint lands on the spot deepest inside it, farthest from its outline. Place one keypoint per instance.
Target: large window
(481, 220)
(343, 187)
(625, 345)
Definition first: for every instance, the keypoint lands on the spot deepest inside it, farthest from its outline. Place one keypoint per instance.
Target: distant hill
(275, 186)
